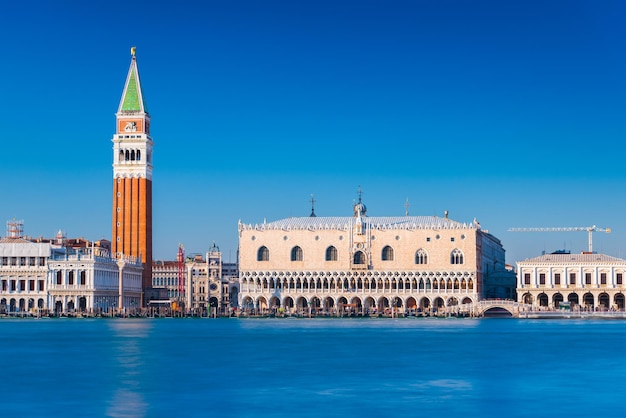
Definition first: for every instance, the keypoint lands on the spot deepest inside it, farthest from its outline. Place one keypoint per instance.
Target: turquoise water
(312, 367)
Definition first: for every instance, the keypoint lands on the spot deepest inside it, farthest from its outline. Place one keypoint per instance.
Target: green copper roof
(131, 95)
(132, 99)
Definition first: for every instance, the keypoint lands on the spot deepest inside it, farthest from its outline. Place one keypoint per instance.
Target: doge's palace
(364, 265)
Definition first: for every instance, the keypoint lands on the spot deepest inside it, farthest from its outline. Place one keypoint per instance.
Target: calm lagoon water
(312, 367)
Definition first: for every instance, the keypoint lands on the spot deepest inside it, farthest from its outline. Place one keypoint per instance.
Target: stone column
(120, 296)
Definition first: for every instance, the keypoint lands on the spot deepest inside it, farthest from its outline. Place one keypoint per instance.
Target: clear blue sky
(511, 112)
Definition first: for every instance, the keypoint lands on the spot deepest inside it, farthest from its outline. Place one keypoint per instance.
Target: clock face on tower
(130, 126)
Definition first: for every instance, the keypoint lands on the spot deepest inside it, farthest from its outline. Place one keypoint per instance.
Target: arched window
(138, 155)
(263, 254)
(456, 257)
(121, 157)
(132, 155)
(127, 155)
(421, 256)
(70, 279)
(59, 277)
(359, 257)
(296, 254)
(331, 254)
(82, 278)
(387, 254)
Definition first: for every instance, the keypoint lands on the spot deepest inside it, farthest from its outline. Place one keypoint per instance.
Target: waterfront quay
(489, 308)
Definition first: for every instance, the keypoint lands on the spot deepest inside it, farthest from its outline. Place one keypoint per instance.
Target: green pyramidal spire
(132, 97)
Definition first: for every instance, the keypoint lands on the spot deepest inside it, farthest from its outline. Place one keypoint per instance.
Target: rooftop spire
(312, 215)
(132, 97)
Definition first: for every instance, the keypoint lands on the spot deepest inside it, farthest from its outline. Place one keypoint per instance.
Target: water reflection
(128, 400)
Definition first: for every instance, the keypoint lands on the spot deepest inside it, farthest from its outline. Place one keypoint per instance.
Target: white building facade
(23, 275)
(38, 277)
(364, 265)
(587, 281)
(89, 280)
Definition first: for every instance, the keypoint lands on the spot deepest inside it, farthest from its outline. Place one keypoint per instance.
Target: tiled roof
(573, 258)
(376, 222)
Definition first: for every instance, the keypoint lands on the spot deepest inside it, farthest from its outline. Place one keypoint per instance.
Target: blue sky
(511, 112)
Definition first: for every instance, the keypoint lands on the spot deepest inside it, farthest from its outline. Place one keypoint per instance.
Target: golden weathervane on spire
(132, 51)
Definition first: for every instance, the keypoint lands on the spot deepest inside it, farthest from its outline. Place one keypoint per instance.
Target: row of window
(82, 277)
(130, 155)
(572, 278)
(23, 261)
(387, 254)
(20, 285)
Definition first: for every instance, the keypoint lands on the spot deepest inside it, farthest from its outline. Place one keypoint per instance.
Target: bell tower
(132, 176)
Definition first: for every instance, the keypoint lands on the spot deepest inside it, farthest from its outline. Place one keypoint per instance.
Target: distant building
(83, 277)
(23, 271)
(365, 264)
(500, 283)
(588, 281)
(205, 282)
(64, 275)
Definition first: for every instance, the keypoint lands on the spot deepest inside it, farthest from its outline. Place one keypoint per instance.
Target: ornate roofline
(345, 223)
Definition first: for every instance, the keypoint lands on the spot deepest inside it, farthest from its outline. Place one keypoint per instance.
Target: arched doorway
(262, 305)
(383, 305)
(411, 306)
(302, 305)
(572, 298)
(82, 303)
(328, 305)
(556, 300)
(604, 302)
(588, 301)
(247, 305)
(316, 304)
(543, 300)
(397, 306)
(357, 305)
(274, 304)
(213, 303)
(370, 305)
(288, 304)
(438, 304)
(527, 299)
(619, 301)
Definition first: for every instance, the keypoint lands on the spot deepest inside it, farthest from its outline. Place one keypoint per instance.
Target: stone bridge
(479, 308)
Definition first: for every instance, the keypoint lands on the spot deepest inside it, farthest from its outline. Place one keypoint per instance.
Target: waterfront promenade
(485, 308)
